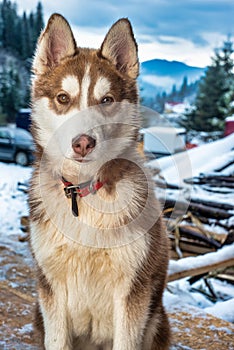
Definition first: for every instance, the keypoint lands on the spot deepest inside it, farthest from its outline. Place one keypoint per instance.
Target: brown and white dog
(100, 247)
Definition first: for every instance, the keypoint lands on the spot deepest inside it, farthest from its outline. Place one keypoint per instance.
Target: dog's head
(84, 100)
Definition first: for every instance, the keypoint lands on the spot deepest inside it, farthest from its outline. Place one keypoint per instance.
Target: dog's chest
(91, 282)
(94, 279)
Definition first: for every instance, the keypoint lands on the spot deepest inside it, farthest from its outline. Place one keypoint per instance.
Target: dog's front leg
(130, 318)
(55, 319)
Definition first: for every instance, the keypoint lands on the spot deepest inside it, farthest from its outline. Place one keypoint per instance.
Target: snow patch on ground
(224, 310)
(27, 328)
(13, 203)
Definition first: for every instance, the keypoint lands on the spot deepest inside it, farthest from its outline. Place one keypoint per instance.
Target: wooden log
(225, 277)
(190, 247)
(211, 179)
(210, 211)
(202, 209)
(225, 166)
(213, 204)
(220, 184)
(193, 266)
(201, 270)
(218, 189)
(190, 233)
(164, 184)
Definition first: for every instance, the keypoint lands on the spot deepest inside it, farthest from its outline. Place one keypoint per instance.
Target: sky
(175, 30)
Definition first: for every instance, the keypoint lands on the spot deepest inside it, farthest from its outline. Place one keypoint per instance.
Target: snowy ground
(13, 204)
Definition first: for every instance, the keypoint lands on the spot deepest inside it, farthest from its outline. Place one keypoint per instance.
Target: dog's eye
(107, 100)
(63, 98)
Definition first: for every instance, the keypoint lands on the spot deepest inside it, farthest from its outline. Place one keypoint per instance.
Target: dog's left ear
(120, 48)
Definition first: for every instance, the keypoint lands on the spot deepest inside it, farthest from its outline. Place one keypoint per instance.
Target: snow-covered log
(193, 266)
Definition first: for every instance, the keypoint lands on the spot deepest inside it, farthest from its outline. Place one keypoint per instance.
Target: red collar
(82, 190)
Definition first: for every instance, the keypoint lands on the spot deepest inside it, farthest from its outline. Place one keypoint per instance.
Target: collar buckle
(68, 189)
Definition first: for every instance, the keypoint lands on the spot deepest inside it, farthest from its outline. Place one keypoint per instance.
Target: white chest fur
(86, 280)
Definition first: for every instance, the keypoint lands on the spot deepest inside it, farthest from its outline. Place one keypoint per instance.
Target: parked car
(16, 145)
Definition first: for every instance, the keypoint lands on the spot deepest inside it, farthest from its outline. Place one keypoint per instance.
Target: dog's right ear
(55, 43)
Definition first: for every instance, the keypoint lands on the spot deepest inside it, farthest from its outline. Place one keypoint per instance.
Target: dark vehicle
(16, 145)
(23, 118)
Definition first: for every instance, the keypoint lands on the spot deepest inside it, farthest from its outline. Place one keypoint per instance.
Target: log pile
(203, 225)
(192, 233)
(213, 181)
(195, 232)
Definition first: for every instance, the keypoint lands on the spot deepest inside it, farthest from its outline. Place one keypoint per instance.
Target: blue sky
(182, 30)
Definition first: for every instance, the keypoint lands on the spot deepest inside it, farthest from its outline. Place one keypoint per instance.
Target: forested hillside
(19, 33)
(18, 37)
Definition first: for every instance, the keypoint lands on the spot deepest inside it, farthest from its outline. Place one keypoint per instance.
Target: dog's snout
(83, 145)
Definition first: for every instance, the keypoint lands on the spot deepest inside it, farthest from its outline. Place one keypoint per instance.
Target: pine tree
(173, 93)
(32, 32)
(39, 22)
(184, 89)
(1, 27)
(18, 36)
(228, 63)
(215, 93)
(8, 19)
(25, 47)
(9, 93)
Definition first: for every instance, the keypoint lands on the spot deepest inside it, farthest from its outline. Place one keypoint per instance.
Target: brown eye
(63, 98)
(107, 100)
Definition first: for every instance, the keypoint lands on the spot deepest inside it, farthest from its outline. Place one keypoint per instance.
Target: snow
(206, 158)
(180, 295)
(224, 310)
(231, 118)
(27, 328)
(177, 108)
(13, 203)
(11, 174)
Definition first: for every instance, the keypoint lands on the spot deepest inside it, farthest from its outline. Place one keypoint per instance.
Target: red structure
(229, 126)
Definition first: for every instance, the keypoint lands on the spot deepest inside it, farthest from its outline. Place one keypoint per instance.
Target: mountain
(158, 75)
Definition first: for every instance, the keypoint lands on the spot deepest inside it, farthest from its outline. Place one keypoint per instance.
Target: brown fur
(101, 276)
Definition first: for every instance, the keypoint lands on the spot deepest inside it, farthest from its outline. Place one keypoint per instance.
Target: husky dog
(97, 236)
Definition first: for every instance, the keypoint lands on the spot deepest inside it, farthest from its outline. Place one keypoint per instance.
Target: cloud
(158, 81)
(180, 49)
(181, 26)
(180, 18)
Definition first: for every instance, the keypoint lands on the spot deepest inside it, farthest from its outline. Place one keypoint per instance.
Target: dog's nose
(83, 145)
